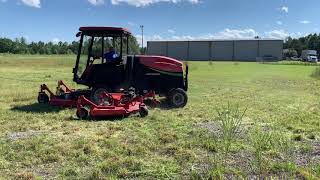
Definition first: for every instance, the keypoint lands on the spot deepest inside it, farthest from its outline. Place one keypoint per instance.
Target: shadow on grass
(163, 104)
(103, 118)
(107, 118)
(37, 108)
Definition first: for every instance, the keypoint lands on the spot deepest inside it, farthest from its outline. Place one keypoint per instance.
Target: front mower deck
(64, 96)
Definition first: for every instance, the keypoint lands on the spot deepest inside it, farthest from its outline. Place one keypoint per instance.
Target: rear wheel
(82, 113)
(43, 98)
(96, 96)
(177, 98)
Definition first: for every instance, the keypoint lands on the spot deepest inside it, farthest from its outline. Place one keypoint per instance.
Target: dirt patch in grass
(304, 156)
(214, 128)
(242, 157)
(43, 171)
(14, 136)
(47, 171)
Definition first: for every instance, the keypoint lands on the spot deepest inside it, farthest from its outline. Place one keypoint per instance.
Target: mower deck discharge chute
(164, 76)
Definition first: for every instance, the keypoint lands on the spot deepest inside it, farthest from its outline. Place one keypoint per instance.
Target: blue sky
(56, 20)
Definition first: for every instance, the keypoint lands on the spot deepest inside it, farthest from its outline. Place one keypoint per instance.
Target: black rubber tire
(83, 113)
(143, 111)
(95, 91)
(43, 98)
(177, 98)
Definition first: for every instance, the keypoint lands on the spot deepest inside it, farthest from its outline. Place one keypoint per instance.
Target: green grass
(278, 135)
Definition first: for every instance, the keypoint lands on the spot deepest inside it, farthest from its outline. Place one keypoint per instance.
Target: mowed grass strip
(277, 136)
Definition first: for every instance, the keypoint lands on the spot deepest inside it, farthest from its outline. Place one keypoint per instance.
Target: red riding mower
(159, 75)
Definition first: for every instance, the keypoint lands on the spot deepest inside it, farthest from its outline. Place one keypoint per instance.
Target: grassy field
(243, 120)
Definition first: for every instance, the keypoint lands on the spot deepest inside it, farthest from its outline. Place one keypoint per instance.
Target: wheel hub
(178, 99)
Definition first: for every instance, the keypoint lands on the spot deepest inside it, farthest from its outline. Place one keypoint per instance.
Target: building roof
(205, 40)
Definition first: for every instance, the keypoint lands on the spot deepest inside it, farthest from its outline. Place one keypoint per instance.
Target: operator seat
(107, 73)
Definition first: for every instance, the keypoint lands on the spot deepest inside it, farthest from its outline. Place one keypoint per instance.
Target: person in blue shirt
(110, 56)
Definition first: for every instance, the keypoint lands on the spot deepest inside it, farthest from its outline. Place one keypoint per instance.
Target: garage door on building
(178, 50)
(157, 48)
(222, 50)
(246, 50)
(199, 50)
(270, 48)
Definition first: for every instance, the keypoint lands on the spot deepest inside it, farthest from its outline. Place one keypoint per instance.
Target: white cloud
(183, 37)
(147, 38)
(141, 3)
(32, 3)
(26, 37)
(171, 31)
(235, 34)
(279, 22)
(96, 2)
(225, 34)
(132, 24)
(282, 34)
(55, 40)
(305, 22)
(284, 9)
(277, 34)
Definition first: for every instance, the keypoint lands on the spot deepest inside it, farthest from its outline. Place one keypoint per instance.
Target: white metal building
(223, 50)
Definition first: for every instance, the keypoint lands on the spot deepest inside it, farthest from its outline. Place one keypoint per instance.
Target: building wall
(270, 48)
(179, 50)
(222, 50)
(246, 50)
(157, 48)
(243, 50)
(199, 51)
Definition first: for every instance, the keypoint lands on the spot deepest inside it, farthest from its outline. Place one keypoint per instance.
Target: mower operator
(110, 56)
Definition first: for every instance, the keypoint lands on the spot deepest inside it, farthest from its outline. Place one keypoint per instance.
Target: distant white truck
(309, 55)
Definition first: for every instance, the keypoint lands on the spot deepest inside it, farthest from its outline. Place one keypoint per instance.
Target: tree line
(295, 46)
(21, 46)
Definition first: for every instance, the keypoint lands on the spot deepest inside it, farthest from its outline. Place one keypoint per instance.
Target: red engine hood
(161, 63)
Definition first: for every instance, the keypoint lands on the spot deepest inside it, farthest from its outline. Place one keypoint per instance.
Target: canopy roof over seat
(105, 31)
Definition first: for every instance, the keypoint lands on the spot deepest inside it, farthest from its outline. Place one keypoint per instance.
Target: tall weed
(261, 142)
(230, 119)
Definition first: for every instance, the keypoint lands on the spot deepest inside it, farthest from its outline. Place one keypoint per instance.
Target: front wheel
(82, 113)
(143, 111)
(43, 98)
(177, 98)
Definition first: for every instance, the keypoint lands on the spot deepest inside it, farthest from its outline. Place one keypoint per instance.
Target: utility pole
(141, 26)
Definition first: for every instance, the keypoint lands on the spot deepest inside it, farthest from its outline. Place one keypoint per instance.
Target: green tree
(134, 45)
(6, 45)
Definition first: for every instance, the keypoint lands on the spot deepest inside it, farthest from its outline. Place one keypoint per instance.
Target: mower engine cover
(157, 73)
(162, 64)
